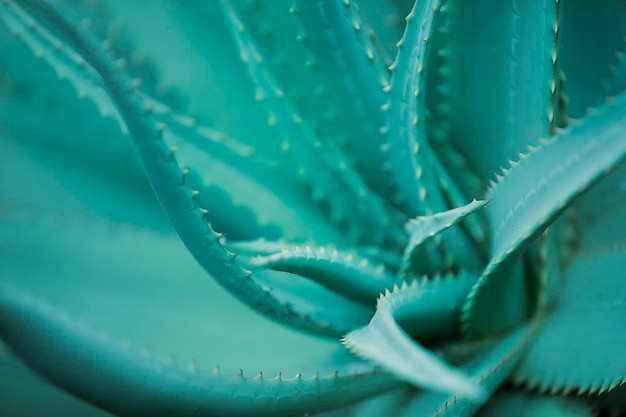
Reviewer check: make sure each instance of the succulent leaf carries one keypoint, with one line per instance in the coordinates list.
(343, 272)
(518, 217)
(488, 365)
(423, 228)
(387, 344)
(564, 357)
(281, 148)
(520, 404)
(28, 325)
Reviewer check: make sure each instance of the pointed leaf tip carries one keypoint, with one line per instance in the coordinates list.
(384, 342)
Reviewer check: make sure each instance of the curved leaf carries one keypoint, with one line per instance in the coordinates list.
(488, 364)
(344, 272)
(520, 404)
(536, 190)
(432, 304)
(575, 349)
(318, 164)
(424, 228)
(125, 382)
(168, 180)
(503, 89)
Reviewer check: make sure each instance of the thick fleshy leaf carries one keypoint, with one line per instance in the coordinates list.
(408, 157)
(168, 179)
(355, 75)
(520, 404)
(587, 56)
(201, 66)
(105, 273)
(511, 68)
(321, 166)
(562, 168)
(599, 211)
(70, 136)
(432, 308)
(127, 382)
(344, 272)
(438, 111)
(25, 394)
(424, 228)
(407, 154)
(488, 364)
(384, 21)
(616, 84)
(574, 350)
(212, 158)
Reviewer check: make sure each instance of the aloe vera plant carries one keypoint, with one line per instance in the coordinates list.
(405, 216)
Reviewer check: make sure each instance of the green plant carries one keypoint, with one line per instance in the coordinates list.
(329, 165)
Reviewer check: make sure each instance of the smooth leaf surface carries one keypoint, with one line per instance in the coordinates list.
(384, 342)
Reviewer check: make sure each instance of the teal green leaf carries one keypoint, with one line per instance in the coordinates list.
(178, 200)
(25, 394)
(128, 381)
(590, 52)
(573, 350)
(356, 76)
(520, 404)
(598, 211)
(206, 152)
(231, 183)
(384, 342)
(407, 154)
(487, 364)
(343, 272)
(518, 218)
(515, 51)
(424, 228)
(321, 166)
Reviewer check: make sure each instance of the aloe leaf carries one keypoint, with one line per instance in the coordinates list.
(384, 21)
(598, 211)
(616, 83)
(186, 61)
(487, 364)
(386, 404)
(64, 61)
(548, 271)
(112, 182)
(283, 41)
(475, 225)
(356, 76)
(374, 255)
(438, 85)
(166, 177)
(586, 58)
(384, 342)
(521, 404)
(573, 351)
(208, 153)
(406, 150)
(344, 272)
(104, 273)
(424, 228)
(126, 382)
(515, 45)
(408, 155)
(24, 394)
(563, 168)
(321, 166)
(232, 182)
